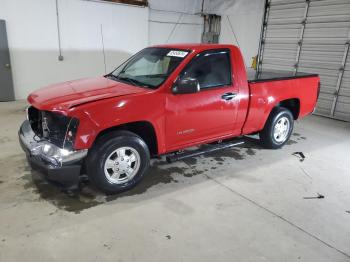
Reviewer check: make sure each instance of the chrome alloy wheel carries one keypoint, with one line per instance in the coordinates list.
(122, 165)
(281, 129)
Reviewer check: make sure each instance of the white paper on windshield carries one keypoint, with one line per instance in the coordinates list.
(177, 53)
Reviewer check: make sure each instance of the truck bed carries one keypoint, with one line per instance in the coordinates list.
(274, 75)
(270, 87)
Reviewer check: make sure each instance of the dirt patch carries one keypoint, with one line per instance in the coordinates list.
(160, 173)
(291, 142)
(250, 152)
(56, 196)
(155, 176)
(252, 142)
(194, 173)
(190, 161)
(230, 153)
(88, 197)
(299, 136)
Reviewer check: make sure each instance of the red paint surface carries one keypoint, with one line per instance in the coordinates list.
(100, 103)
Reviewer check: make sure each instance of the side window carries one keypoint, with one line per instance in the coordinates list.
(211, 69)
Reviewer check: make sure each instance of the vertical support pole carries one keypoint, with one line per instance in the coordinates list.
(301, 36)
(60, 56)
(103, 50)
(340, 75)
(263, 35)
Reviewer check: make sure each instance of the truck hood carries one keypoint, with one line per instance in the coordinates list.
(63, 96)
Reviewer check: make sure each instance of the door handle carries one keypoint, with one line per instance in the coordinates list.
(8, 66)
(228, 96)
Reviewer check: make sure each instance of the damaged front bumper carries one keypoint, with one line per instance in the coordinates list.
(56, 164)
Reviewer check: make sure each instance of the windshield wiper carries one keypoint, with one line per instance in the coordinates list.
(111, 76)
(129, 80)
(124, 79)
(133, 81)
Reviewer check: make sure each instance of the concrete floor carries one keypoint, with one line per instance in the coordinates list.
(244, 204)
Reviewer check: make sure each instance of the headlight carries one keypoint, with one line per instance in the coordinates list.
(56, 155)
(54, 127)
(70, 134)
(47, 151)
(51, 153)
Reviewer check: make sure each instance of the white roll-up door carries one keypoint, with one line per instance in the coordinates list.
(311, 36)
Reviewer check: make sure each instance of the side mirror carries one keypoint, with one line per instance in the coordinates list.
(186, 86)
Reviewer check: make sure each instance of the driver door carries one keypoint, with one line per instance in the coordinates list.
(208, 114)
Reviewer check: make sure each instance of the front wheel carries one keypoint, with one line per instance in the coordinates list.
(278, 128)
(117, 162)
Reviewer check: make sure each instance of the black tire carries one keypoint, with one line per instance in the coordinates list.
(103, 148)
(266, 135)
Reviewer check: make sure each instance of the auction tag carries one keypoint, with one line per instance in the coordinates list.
(177, 53)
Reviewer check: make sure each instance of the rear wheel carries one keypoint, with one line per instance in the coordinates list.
(278, 128)
(118, 161)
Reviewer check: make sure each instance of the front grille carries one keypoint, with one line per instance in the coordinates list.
(48, 125)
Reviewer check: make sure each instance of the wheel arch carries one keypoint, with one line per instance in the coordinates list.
(143, 129)
(292, 104)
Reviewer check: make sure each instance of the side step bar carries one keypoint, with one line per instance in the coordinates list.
(202, 150)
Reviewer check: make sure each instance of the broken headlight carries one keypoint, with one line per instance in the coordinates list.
(70, 134)
(54, 127)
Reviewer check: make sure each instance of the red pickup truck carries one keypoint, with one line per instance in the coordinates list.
(162, 100)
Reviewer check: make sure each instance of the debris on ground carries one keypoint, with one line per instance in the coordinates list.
(300, 155)
(168, 236)
(319, 196)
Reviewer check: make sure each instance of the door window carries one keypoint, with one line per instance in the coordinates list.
(211, 69)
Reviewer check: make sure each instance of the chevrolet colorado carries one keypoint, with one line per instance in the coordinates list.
(162, 100)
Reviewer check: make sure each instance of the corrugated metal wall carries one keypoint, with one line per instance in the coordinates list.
(311, 36)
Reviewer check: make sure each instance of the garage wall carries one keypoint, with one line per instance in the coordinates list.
(175, 21)
(97, 36)
(174, 27)
(33, 39)
(240, 24)
(239, 16)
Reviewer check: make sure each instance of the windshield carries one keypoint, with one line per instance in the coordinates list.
(150, 67)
